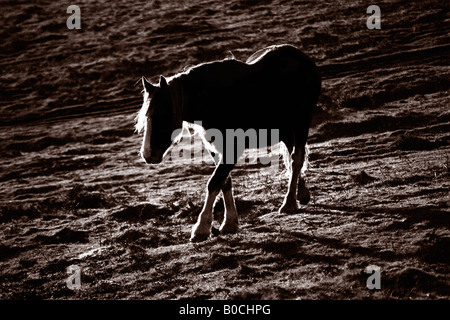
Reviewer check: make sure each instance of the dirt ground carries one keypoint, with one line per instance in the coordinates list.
(74, 192)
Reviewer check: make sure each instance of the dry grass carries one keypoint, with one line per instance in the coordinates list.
(74, 191)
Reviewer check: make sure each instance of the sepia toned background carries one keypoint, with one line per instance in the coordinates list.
(73, 190)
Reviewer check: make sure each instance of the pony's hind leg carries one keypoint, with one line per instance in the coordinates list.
(202, 229)
(297, 187)
(302, 191)
(230, 222)
(303, 194)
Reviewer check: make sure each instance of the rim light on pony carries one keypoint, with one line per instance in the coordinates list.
(277, 88)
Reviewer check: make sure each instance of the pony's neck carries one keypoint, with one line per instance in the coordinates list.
(183, 95)
(180, 99)
(177, 94)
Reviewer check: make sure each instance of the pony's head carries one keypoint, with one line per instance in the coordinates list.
(157, 119)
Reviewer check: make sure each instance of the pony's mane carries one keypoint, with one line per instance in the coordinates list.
(261, 53)
(189, 68)
(141, 118)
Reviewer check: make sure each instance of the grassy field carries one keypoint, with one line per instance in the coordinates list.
(75, 192)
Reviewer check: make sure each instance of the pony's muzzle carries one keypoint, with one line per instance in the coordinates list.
(152, 160)
(154, 157)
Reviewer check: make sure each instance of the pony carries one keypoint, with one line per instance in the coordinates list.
(276, 88)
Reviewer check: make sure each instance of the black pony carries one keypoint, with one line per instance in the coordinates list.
(276, 88)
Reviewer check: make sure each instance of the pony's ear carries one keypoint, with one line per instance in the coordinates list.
(148, 87)
(162, 82)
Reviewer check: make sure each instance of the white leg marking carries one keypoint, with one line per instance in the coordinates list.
(290, 201)
(202, 229)
(230, 222)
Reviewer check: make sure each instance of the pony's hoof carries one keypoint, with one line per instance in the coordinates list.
(227, 228)
(289, 209)
(303, 197)
(201, 231)
(199, 237)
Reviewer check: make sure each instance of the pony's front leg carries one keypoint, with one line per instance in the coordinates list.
(230, 222)
(202, 229)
